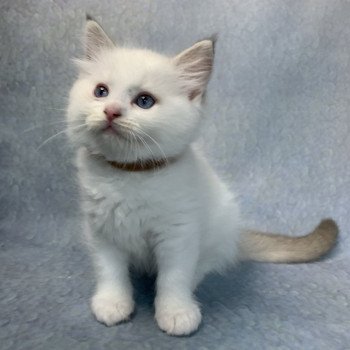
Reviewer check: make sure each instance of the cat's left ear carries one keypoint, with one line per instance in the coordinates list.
(195, 66)
(95, 39)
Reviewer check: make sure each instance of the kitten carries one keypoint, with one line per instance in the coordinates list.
(151, 201)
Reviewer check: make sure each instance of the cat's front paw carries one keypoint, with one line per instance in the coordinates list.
(111, 310)
(178, 318)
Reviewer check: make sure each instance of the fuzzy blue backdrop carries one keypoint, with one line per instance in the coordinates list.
(277, 130)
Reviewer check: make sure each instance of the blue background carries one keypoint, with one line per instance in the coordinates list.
(277, 129)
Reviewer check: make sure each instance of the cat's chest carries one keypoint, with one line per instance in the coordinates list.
(119, 218)
(128, 206)
(116, 207)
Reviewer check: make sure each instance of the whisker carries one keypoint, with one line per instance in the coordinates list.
(59, 133)
(43, 125)
(134, 142)
(131, 138)
(55, 109)
(155, 142)
(134, 147)
(129, 125)
(153, 158)
(128, 148)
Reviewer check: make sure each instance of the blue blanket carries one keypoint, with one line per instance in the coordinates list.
(277, 129)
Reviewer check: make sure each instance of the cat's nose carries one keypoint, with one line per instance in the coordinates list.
(112, 112)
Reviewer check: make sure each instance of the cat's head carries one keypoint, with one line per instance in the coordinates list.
(131, 104)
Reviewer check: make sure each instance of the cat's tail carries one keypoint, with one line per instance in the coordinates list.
(267, 247)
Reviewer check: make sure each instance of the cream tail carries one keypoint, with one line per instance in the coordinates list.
(276, 248)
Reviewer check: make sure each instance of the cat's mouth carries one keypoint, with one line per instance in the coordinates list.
(112, 130)
(109, 129)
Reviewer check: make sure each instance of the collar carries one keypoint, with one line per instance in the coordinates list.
(144, 165)
(138, 165)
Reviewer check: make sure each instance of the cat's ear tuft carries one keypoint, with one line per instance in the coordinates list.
(195, 66)
(95, 39)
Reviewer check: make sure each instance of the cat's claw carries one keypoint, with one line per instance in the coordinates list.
(111, 311)
(175, 320)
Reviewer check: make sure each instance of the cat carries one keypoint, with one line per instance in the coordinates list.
(150, 199)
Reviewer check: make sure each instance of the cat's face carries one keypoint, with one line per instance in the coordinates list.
(131, 104)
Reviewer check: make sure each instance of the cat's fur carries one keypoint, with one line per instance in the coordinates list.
(176, 217)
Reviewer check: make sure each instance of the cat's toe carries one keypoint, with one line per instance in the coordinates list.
(111, 311)
(179, 320)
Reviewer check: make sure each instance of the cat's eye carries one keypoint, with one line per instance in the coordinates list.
(101, 90)
(144, 101)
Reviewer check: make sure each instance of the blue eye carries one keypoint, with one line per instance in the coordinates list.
(144, 101)
(101, 90)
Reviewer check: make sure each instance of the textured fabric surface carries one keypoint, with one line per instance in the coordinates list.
(277, 131)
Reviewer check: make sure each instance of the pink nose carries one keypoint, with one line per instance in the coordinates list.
(112, 112)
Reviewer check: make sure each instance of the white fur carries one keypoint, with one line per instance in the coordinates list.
(179, 221)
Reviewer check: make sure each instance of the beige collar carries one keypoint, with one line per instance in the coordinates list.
(139, 165)
(144, 165)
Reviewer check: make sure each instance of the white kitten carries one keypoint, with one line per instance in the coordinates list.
(151, 201)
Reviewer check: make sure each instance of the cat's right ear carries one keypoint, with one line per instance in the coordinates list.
(195, 66)
(95, 39)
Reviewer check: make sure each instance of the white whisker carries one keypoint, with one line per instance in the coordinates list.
(153, 158)
(43, 125)
(59, 133)
(128, 147)
(54, 109)
(155, 142)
